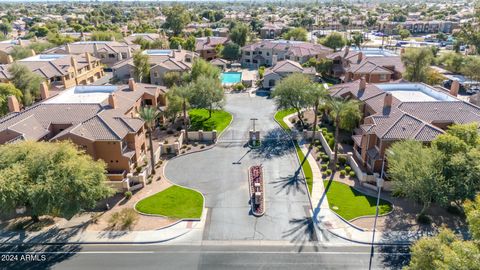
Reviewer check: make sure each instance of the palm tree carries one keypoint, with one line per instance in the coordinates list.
(183, 92)
(317, 94)
(345, 114)
(150, 115)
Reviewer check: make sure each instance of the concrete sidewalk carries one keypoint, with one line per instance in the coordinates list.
(78, 235)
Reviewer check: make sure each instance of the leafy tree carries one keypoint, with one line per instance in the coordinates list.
(39, 31)
(19, 52)
(58, 39)
(292, 92)
(345, 114)
(470, 68)
(371, 21)
(182, 95)
(207, 93)
(150, 115)
(417, 63)
(203, 68)
(54, 179)
(239, 34)
(105, 36)
(6, 90)
(323, 66)
(177, 17)
(190, 43)
(357, 39)
(404, 33)
(415, 173)
(141, 67)
(297, 33)
(444, 251)
(176, 42)
(452, 61)
(231, 51)
(208, 32)
(27, 81)
(472, 211)
(172, 78)
(334, 40)
(5, 28)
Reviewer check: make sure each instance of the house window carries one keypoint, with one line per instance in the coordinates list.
(383, 77)
(247, 53)
(111, 55)
(268, 54)
(148, 102)
(155, 74)
(124, 55)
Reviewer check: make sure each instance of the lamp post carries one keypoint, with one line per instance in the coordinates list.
(379, 187)
(253, 120)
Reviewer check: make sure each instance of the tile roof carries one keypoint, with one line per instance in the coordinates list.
(209, 43)
(288, 66)
(294, 48)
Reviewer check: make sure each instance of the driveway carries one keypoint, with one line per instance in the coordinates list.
(221, 174)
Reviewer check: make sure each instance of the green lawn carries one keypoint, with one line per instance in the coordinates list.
(349, 203)
(175, 202)
(281, 114)
(199, 120)
(307, 170)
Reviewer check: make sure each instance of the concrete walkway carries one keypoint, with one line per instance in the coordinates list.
(78, 235)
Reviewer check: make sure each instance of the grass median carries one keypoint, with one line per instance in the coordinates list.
(175, 202)
(350, 203)
(200, 120)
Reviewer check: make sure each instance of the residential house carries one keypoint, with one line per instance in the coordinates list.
(271, 30)
(206, 46)
(262, 53)
(102, 120)
(281, 70)
(400, 111)
(109, 52)
(221, 63)
(375, 65)
(6, 48)
(161, 62)
(418, 27)
(61, 70)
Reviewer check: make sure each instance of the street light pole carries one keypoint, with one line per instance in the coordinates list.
(379, 187)
(253, 120)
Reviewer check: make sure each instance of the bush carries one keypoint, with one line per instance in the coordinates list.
(343, 173)
(189, 148)
(128, 195)
(123, 220)
(324, 167)
(317, 142)
(325, 158)
(202, 146)
(342, 160)
(424, 219)
(348, 169)
(318, 158)
(179, 128)
(352, 174)
(331, 143)
(165, 142)
(195, 144)
(454, 210)
(329, 172)
(337, 167)
(324, 174)
(138, 169)
(293, 121)
(170, 131)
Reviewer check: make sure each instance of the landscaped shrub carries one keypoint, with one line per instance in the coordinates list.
(184, 146)
(319, 148)
(293, 121)
(202, 146)
(342, 160)
(337, 166)
(331, 143)
(324, 174)
(324, 167)
(343, 173)
(138, 169)
(128, 195)
(348, 169)
(325, 158)
(170, 131)
(317, 142)
(123, 220)
(424, 219)
(318, 158)
(189, 148)
(329, 172)
(352, 174)
(165, 142)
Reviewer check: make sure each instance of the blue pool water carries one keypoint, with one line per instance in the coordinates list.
(231, 77)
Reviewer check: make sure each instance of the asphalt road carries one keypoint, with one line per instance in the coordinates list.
(208, 257)
(221, 174)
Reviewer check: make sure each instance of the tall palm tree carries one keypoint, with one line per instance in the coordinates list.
(184, 93)
(150, 115)
(345, 114)
(317, 94)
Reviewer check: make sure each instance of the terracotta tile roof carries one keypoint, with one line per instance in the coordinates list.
(288, 66)
(293, 48)
(209, 43)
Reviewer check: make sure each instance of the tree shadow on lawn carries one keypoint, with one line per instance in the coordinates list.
(275, 143)
(47, 255)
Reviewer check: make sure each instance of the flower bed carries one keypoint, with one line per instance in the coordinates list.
(257, 190)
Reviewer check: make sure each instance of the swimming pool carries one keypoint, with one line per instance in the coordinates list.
(231, 77)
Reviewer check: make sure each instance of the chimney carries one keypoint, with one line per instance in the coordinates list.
(347, 51)
(119, 56)
(131, 84)
(13, 105)
(44, 92)
(73, 62)
(454, 88)
(20, 42)
(387, 102)
(88, 57)
(95, 49)
(67, 48)
(32, 52)
(360, 57)
(208, 40)
(363, 83)
(111, 100)
(179, 47)
(274, 60)
(9, 59)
